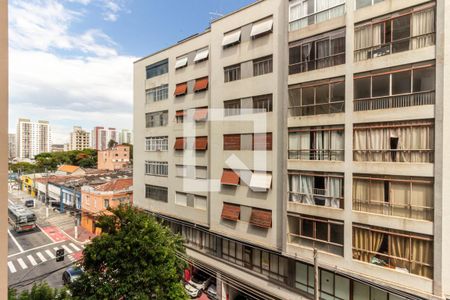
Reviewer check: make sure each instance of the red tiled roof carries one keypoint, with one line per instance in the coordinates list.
(115, 185)
(68, 168)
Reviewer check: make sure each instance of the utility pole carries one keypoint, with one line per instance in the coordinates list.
(316, 276)
(46, 193)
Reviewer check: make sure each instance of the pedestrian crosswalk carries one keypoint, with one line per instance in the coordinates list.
(28, 260)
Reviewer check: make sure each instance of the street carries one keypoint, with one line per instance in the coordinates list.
(31, 255)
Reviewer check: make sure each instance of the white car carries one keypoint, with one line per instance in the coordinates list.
(197, 285)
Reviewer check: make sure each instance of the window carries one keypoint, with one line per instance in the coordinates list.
(316, 143)
(181, 62)
(232, 73)
(231, 142)
(179, 116)
(393, 88)
(257, 141)
(232, 107)
(190, 200)
(407, 197)
(324, 97)
(105, 203)
(307, 12)
(262, 103)
(364, 3)
(316, 188)
(262, 66)
(402, 31)
(157, 69)
(318, 52)
(157, 94)
(414, 142)
(199, 143)
(192, 172)
(156, 143)
(313, 232)
(156, 168)
(156, 119)
(157, 193)
(400, 250)
(261, 28)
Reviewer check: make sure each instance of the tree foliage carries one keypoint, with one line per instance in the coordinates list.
(40, 291)
(112, 144)
(135, 257)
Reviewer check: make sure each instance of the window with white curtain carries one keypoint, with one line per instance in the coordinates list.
(316, 143)
(156, 168)
(365, 3)
(316, 98)
(316, 188)
(157, 94)
(411, 141)
(156, 143)
(409, 85)
(307, 12)
(402, 31)
(406, 197)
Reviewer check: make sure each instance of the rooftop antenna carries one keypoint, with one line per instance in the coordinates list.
(214, 15)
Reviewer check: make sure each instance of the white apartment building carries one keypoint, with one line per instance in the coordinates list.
(79, 139)
(12, 145)
(101, 137)
(350, 159)
(126, 136)
(32, 138)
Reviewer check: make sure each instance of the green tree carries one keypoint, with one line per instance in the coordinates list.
(40, 291)
(111, 144)
(135, 257)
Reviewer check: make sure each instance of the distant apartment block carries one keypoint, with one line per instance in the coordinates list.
(353, 146)
(59, 147)
(12, 152)
(101, 137)
(79, 139)
(32, 138)
(126, 136)
(115, 158)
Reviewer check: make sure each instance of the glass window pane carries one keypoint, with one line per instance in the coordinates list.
(363, 3)
(376, 294)
(322, 231)
(322, 93)
(337, 234)
(342, 287)
(337, 92)
(424, 79)
(307, 228)
(380, 86)
(401, 27)
(401, 83)
(301, 273)
(362, 88)
(308, 96)
(360, 291)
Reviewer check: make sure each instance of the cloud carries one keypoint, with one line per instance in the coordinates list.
(66, 78)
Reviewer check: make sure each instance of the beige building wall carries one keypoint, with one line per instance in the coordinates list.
(114, 159)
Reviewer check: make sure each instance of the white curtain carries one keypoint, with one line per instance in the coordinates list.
(359, 144)
(423, 24)
(295, 183)
(319, 144)
(301, 187)
(363, 39)
(415, 139)
(323, 51)
(422, 201)
(399, 198)
(333, 191)
(378, 142)
(376, 34)
(337, 144)
(299, 141)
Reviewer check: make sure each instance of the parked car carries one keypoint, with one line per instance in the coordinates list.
(71, 274)
(198, 284)
(29, 202)
(211, 291)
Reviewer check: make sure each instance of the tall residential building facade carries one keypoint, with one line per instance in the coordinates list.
(126, 136)
(79, 139)
(12, 145)
(32, 138)
(290, 126)
(101, 137)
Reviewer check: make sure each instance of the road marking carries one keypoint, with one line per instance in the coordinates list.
(67, 249)
(74, 247)
(43, 246)
(22, 263)
(15, 241)
(45, 233)
(41, 257)
(11, 267)
(49, 253)
(31, 259)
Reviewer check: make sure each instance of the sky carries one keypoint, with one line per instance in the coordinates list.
(71, 61)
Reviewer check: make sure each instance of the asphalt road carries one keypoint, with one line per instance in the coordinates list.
(31, 257)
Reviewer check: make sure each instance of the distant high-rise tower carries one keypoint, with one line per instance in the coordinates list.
(126, 136)
(32, 138)
(11, 145)
(101, 137)
(79, 139)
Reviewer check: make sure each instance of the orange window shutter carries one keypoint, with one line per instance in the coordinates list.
(231, 212)
(179, 144)
(181, 89)
(201, 84)
(229, 177)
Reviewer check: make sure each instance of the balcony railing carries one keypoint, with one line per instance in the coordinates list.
(320, 63)
(394, 155)
(318, 197)
(396, 101)
(392, 209)
(315, 243)
(317, 109)
(401, 45)
(316, 154)
(318, 17)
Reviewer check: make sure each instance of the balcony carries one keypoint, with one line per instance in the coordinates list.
(395, 101)
(392, 209)
(320, 63)
(316, 154)
(394, 155)
(316, 17)
(317, 109)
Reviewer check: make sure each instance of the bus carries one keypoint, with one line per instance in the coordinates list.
(21, 218)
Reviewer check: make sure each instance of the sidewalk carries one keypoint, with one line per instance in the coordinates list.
(84, 236)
